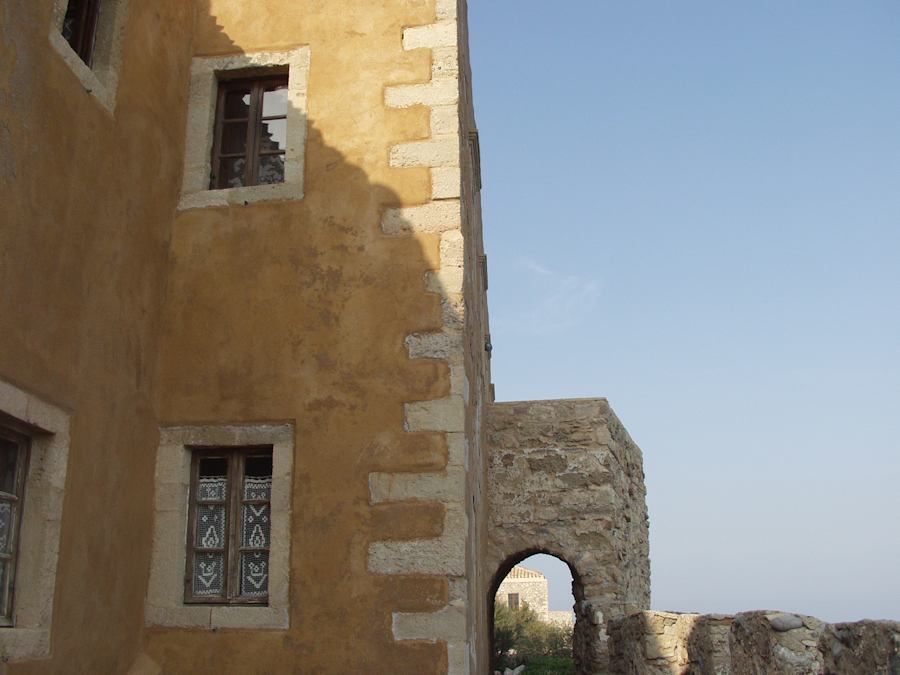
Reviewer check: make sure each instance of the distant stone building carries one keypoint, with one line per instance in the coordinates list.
(527, 587)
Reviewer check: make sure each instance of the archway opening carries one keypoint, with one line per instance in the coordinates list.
(533, 608)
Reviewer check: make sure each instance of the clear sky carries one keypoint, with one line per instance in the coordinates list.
(693, 209)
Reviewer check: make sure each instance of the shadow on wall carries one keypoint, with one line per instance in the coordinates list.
(297, 310)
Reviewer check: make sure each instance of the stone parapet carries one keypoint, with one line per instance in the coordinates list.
(778, 643)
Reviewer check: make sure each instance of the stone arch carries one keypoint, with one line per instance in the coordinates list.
(564, 478)
(582, 641)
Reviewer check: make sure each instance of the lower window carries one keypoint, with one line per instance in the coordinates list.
(229, 526)
(13, 458)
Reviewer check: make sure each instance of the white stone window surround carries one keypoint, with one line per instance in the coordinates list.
(165, 604)
(45, 484)
(101, 80)
(205, 72)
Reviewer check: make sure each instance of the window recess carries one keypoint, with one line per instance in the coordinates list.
(13, 466)
(80, 27)
(229, 526)
(250, 138)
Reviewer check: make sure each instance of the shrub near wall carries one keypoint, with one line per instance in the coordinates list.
(521, 638)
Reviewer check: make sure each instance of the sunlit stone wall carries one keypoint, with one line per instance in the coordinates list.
(566, 479)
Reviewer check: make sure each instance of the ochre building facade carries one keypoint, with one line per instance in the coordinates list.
(246, 421)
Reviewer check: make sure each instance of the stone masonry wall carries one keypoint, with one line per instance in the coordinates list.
(566, 479)
(532, 591)
(776, 643)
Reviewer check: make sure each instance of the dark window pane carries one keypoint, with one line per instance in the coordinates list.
(271, 169)
(6, 525)
(275, 101)
(9, 457)
(71, 21)
(231, 172)
(234, 138)
(209, 575)
(258, 477)
(237, 104)
(259, 466)
(273, 135)
(79, 26)
(213, 479)
(4, 591)
(255, 574)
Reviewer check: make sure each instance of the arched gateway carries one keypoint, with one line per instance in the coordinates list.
(565, 479)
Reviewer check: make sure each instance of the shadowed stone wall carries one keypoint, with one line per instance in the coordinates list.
(778, 643)
(566, 479)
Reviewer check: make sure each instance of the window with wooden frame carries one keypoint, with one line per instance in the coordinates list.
(251, 132)
(13, 465)
(512, 600)
(229, 526)
(80, 27)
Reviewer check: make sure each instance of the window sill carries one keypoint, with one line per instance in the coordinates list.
(85, 75)
(214, 617)
(291, 189)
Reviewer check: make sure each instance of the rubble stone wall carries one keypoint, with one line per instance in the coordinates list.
(776, 643)
(531, 591)
(566, 479)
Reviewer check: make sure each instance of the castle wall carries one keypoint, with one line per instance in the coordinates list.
(344, 312)
(664, 643)
(566, 479)
(88, 185)
(477, 358)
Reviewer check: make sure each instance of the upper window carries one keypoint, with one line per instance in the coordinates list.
(80, 27)
(13, 461)
(230, 524)
(88, 35)
(251, 132)
(246, 129)
(513, 600)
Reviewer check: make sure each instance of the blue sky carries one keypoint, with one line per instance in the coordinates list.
(693, 209)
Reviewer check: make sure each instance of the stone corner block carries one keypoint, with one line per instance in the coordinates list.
(444, 414)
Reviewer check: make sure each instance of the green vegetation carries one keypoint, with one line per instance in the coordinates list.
(520, 637)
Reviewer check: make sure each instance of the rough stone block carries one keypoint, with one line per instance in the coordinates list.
(442, 151)
(441, 34)
(432, 217)
(448, 623)
(445, 63)
(452, 249)
(446, 280)
(444, 120)
(445, 183)
(443, 414)
(444, 91)
(447, 487)
(445, 345)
